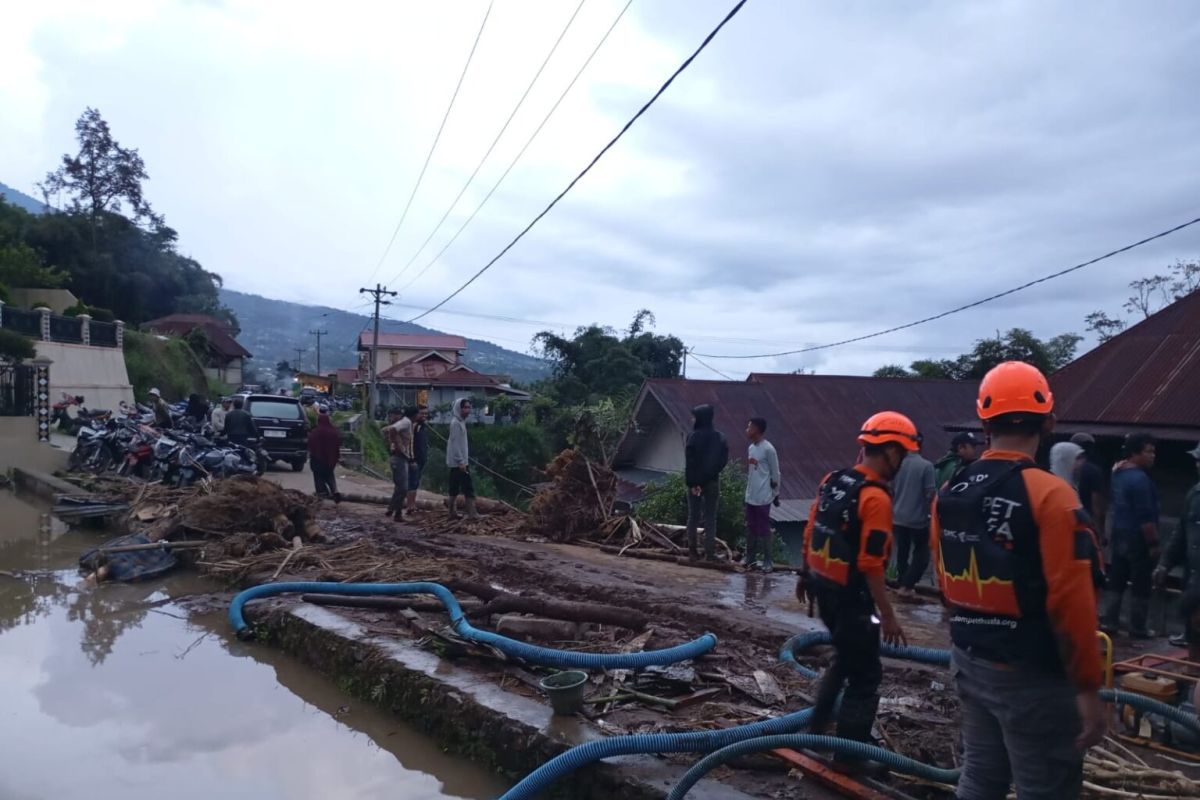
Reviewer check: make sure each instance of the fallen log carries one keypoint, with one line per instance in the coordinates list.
(431, 503)
(565, 610)
(386, 603)
(654, 555)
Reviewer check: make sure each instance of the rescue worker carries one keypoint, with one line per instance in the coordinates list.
(846, 548)
(1184, 548)
(1016, 558)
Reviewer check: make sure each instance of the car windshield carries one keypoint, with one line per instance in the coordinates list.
(275, 409)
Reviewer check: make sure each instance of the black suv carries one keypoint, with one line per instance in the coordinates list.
(282, 427)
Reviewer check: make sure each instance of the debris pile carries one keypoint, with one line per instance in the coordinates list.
(577, 501)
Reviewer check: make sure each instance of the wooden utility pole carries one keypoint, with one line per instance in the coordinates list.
(377, 293)
(299, 366)
(319, 333)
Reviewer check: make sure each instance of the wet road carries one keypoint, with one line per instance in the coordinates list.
(120, 692)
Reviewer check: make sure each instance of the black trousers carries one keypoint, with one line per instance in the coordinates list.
(461, 483)
(914, 541)
(1131, 565)
(847, 613)
(324, 480)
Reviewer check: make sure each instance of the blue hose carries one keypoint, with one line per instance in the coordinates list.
(564, 764)
(802, 741)
(804, 641)
(544, 656)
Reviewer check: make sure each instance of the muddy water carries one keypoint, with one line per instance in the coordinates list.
(122, 693)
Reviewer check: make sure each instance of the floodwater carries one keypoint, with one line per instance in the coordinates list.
(119, 692)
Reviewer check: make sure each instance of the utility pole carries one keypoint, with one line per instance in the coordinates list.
(685, 352)
(299, 367)
(319, 333)
(377, 293)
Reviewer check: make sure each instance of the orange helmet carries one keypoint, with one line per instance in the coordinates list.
(1014, 387)
(890, 426)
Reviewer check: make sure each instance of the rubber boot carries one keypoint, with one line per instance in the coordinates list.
(1110, 619)
(472, 512)
(748, 558)
(693, 552)
(1139, 613)
(855, 719)
(827, 694)
(453, 507)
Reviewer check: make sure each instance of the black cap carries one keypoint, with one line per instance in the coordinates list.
(966, 437)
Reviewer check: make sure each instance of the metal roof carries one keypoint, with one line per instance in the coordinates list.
(1148, 375)
(220, 333)
(813, 420)
(412, 341)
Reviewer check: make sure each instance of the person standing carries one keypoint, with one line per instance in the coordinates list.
(1184, 548)
(324, 452)
(399, 440)
(1134, 538)
(1093, 487)
(416, 467)
(1015, 558)
(704, 456)
(162, 412)
(217, 420)
(1066, 461)
(846, 546)
(239, 425)
(964, 449)
(458, 459)
(913, 490)
(762, 490)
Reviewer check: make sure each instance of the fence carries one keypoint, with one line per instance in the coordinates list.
(17, 392)
(50, 327)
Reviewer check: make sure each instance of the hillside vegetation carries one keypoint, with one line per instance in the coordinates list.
(167, 364)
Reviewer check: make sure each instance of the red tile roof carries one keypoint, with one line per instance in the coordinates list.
(413, 341)
(220, 333)
(464, 377)
(347, 375)
(1149, 375)
(423, 367)
(812, 420)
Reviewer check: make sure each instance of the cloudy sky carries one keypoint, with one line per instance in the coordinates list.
(822, 170)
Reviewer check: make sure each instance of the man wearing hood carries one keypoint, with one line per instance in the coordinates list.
(1184, 548)
(324, 451)
(704, 456)
(458, 459)
(1066, 461)
(1134, 537)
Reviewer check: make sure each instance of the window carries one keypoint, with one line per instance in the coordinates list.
(275, 409)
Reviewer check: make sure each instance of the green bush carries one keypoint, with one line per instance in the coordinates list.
(80, 307)
(102, 314)
(667, 502)
(167, 364)
(519, 452)
(14, 347)
(5, 297)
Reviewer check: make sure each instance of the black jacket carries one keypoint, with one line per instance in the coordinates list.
(706, 452)
(1184, 545)
(239, 426)
(421, 442)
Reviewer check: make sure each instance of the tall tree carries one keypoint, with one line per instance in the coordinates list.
(102, 177)
(1016, 345)
(1148, 296)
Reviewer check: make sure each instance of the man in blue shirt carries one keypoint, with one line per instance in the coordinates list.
(1134, 537)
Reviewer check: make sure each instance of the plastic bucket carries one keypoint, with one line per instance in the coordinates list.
(565, 691)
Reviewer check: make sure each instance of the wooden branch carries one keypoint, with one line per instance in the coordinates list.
(565, 610)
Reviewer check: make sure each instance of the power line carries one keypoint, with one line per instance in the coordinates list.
(319, 333)
(436, 138)
(377, 295)
(709, 367)
(492, 146)
(521, 153)
(971, 305)
(662, 89)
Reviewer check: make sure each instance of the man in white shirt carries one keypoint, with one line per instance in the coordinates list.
(762, 489)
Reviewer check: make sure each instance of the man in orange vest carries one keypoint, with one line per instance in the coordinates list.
(1017, 557)
(846, 547)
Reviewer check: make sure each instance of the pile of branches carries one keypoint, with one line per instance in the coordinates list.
(636, 538)
(577, 502)
(1113, 770)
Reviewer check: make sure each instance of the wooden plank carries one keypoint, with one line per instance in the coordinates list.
(829, 777)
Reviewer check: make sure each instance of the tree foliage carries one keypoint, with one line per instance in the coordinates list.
(666, 502)
(15, 348)
(599, 362)
(1017, 345)
(1147, 296)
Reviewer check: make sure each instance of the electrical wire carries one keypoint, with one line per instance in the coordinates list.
(709, 367)
(437, 137)
(486, 468)
(492, 146)
(662, 89)
(967, 306)
(520, 153)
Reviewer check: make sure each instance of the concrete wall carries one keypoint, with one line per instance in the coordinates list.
(59, 300)
(662, 450)
(230, 374)
(19, 447)
(97, 373)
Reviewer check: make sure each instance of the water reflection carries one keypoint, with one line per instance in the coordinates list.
(118, 692)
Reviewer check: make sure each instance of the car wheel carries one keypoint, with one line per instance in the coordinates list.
(297, 466)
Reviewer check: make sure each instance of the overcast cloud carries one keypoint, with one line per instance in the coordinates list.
(822, 170)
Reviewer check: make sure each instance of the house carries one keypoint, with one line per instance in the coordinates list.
(812, 420)
(225, 359)
(415, 368)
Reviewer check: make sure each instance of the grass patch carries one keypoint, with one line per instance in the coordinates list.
(167, 364)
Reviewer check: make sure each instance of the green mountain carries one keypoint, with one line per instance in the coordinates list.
(21, 200)
(273, 329)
